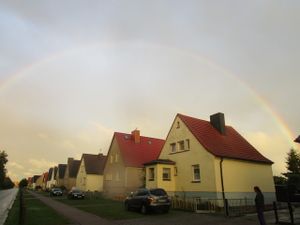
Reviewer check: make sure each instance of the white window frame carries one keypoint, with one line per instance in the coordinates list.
(194, 178)
(168, 178)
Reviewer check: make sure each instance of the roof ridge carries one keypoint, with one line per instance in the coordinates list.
(141, 136)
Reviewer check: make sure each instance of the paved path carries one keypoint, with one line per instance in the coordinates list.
(7, 198)
(77, 216)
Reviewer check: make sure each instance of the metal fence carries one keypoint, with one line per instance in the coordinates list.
(228, 207)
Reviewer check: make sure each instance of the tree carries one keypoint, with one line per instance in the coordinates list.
(23, 183)
(3, 161)
(293, 168)
(8, 184)
(279, 180)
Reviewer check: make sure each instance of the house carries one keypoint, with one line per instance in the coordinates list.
(124, 169)
(39, 182)
(34, 181)
(45, 180)
(210, 160)
(297, 139)
(51, 177)
(61, 170)
(90, 173)
(71, 173)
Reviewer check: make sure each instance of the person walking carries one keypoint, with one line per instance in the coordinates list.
(259, 204)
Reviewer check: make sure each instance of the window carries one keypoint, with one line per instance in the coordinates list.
(178, 125)
(111, 159)
(181, 145)
(117, 157)
(187, 144)
(173, 147)
(151, 174)
(196, 173)
(175, 171)
(117, 176)
(166, 174)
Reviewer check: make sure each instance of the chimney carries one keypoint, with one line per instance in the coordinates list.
(136, 136)
(218, 122)
(70, 160)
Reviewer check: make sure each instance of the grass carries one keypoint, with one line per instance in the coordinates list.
(103, 207)
(37, 213)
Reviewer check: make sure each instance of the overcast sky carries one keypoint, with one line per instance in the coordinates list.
(73, 72)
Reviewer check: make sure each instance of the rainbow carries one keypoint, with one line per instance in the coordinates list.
(278, 120)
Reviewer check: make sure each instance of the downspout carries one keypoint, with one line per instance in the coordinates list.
(222, 180)
(223, 191)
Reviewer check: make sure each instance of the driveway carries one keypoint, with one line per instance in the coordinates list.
(7, 198)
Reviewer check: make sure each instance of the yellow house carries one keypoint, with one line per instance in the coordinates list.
(71, 173)
(209, 160)
(124, 169)
(90, 173)
(61, 169)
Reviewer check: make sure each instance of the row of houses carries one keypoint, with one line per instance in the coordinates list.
(199, 158)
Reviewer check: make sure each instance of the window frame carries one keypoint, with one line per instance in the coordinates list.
(194, 178)
(168, 178)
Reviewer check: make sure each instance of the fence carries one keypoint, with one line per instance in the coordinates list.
(287, 212)
(228, 207)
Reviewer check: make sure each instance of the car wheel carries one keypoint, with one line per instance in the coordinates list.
(144, 209)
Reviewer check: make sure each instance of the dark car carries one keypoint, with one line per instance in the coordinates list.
(56, 192)
(76, 194)
(146, 200)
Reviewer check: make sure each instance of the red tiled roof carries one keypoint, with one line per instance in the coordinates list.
(231, 145)
(136, 154)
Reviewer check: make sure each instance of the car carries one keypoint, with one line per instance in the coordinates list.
(146, 200)
(75, 194)
(56, 192)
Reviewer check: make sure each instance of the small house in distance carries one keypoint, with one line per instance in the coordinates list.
(61, 169)
(209, 160)
(124, 169)
(90, 173)
(71, 173)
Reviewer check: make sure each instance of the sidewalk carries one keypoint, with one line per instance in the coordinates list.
(7, 198)
(77, 216)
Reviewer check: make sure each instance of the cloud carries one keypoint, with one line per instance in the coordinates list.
(41, 164)
(14, 165)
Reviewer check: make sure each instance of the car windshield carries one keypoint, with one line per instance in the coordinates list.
(56, 189)
(76, 191)
(158, 192)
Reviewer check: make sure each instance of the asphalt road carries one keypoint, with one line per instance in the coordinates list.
(7, 198)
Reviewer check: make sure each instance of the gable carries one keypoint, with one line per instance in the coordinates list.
(136, 154)
(229, 145)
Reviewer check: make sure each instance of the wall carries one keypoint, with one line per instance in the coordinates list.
(241, 176)
(193, 155)
(114, 172)
(94, 183)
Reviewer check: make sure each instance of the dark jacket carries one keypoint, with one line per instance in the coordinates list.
(259, 201)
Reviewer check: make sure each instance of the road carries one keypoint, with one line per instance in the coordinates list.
(7, 198)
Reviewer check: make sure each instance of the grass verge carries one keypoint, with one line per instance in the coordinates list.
(37, 213)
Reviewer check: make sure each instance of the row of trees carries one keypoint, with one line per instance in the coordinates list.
(292, 176)
(5, 182)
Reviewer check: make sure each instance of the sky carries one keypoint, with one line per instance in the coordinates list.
(74, 72)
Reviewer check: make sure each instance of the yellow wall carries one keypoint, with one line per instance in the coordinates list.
(88, 182)
(196, 154)
(120, 180)
(169, 185)
(242, 176)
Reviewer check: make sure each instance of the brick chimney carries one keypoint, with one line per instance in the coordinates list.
(70, 160)
(218, 122)
(136, 136)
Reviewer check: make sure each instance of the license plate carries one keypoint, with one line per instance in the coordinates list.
(161, 200)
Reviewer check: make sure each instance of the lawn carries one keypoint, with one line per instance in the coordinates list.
(106, 208)
(37, 213)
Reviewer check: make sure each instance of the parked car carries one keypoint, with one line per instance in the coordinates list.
(75, 194)
(56, 192)
(146, 200)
